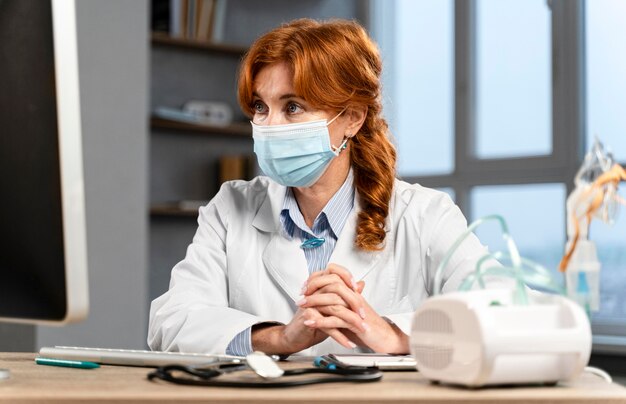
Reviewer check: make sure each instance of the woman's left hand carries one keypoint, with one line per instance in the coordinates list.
(334, 293)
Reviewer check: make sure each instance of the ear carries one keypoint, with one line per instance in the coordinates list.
(355, 116)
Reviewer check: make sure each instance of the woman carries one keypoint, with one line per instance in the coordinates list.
(331, 253)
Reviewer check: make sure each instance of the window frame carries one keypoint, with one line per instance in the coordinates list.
(567, 134)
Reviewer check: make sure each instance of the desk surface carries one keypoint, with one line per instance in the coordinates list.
(31, 383)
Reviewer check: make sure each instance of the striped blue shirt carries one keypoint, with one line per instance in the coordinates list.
(327, 225)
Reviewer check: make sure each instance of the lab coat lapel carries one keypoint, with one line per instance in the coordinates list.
(346, 254)
(282, 257)
(286, 264)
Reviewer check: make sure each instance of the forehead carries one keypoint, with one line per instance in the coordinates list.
(274, 81)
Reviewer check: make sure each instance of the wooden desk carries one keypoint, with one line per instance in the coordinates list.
(31, 383)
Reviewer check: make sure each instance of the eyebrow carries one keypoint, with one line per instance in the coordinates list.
(282, 97)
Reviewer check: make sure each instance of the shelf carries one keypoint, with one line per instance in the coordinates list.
(236, 128)
(163, 39)
(171, 210)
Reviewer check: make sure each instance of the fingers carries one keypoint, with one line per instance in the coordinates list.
(312, 285)
(360, 287)
(350, 298)
(340, 338)
(334, 333)
(341, 272)
(336, 297)
(313, 320)
(333, 317)
(341, 317)
(322, 299)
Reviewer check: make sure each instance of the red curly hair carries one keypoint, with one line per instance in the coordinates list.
(335, 64)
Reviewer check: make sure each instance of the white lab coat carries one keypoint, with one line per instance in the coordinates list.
(241, 270)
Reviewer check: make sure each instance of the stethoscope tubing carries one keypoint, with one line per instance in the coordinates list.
(207, 377)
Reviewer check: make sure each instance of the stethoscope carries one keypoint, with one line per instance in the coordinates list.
(270, 373)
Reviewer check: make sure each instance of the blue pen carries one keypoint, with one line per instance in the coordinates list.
(66, 363)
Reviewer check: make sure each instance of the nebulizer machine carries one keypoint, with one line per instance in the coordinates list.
(480, 336)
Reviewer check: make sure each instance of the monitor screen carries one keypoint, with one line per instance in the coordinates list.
(42, 227)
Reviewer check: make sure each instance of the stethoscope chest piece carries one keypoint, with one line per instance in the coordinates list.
(263, 365)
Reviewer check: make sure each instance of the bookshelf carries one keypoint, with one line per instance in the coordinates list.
(184, 155)
(164, 39)
(172, 210)
(234, 129)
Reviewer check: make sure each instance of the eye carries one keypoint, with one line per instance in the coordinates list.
(293, 108)
(258, 107)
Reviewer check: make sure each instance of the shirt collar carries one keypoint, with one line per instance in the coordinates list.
(335, 212)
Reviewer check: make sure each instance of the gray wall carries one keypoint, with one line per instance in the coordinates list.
(113, 58)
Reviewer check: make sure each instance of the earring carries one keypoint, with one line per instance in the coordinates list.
(347, 137)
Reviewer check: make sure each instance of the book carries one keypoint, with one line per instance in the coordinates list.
(184, 14)
(176, 18)
(219, 21)
(205, 20)
(236, 167)
(191, 19)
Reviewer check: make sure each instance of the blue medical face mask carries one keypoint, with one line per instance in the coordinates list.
(297, 154)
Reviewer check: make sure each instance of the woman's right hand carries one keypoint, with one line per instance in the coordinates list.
(279, 339)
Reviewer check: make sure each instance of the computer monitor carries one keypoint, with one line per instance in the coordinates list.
(43, 248)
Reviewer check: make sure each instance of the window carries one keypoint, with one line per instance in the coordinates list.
(421, 94)
(530, 210)
(532, 81)
(610, 241)
(606, 63)
(513, 66)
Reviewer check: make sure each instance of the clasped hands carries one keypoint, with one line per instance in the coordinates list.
(332, 306)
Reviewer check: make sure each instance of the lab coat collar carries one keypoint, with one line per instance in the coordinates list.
(284, 259)
(267, 218)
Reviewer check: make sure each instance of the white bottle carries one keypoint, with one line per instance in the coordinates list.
(585, 257)
(584, 260)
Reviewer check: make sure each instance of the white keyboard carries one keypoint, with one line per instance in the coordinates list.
(132, 357)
